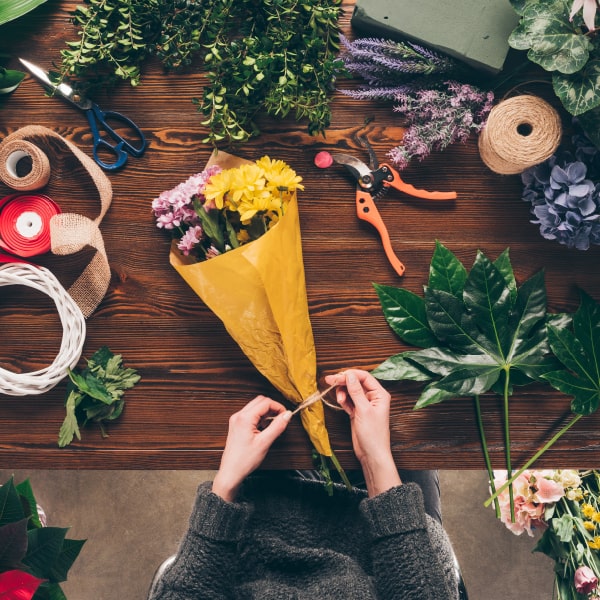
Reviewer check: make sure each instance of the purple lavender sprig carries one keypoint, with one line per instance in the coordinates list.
(438, 118)
(380, 61)
(564, 195)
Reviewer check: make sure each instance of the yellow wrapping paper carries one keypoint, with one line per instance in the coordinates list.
(259, 292)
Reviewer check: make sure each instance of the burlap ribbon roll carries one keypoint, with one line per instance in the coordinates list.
(520, 132)
(11, 152)
(71, 232)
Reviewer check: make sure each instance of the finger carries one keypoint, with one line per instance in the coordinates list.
(369, 383)
(276, 427)
(355, 389)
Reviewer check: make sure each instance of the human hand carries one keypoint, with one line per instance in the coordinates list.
(248, 443)
(367, 404)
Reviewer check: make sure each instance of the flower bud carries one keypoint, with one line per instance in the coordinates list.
(585, 580)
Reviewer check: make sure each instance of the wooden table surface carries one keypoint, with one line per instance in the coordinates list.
(193, 375)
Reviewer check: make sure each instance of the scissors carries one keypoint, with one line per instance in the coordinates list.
(98, 119)
(372, 182)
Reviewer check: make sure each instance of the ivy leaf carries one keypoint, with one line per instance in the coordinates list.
(579, 352)
(486, 329)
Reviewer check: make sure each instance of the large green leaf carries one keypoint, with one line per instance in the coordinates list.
(13, 9)
(405, 314)
(11, 508)
(579, 352)
(579, 92)
(492, 330)
(43, 551)
(553, 40)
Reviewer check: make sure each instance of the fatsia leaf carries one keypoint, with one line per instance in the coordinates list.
(399, 367)
(446, 272)
(492, 334)
(406, 315)
(579, 352)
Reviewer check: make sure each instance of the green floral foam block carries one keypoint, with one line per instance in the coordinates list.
(474, 31)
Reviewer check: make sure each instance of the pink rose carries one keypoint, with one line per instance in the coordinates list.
(585, 580)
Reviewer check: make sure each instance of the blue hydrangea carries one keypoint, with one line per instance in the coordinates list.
(564, 195)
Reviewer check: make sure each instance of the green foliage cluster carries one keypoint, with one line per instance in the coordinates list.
(273, 56)
(564, 47)
(96, 394)
(25, 545)
(480, 332)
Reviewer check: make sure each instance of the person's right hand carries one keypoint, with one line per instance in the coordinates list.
(252, 431)
(367, 404)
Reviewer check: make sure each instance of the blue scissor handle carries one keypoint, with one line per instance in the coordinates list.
(122, 147)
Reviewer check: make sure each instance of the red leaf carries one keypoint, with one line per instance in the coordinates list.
(18, 585)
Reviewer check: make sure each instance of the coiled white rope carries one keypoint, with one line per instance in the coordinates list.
(73, 322)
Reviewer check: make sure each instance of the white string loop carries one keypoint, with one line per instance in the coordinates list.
(74, 330)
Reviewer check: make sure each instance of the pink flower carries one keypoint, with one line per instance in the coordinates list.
(189, 239)
(585, 580)
(548, 490)
(589, 12)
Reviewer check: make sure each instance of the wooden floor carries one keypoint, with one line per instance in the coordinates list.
(193, 375)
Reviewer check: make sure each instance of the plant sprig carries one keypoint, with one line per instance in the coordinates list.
(277, 57)
(95, 394)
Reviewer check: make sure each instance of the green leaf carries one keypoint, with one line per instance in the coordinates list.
(13, 544)
(11, 508)
(579, 92)
(579, 352)
(43, 550)
(69, 552)
(29, 502)
(13, 9)
(406, 315)
(492, 333)
(446, 272)
(590, 123)
(564, 527)
(10, 80)
(70, 426)
(399, 367)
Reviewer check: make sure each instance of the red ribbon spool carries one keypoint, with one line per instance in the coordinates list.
(25, 225)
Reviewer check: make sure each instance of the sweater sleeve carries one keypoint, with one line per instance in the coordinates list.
(411, 554)
(207, 555)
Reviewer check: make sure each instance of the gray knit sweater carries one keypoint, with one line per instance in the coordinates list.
(288, 539)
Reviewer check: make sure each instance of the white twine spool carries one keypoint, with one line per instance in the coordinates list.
(72, 320)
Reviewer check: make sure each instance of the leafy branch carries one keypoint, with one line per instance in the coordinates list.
(95, 394)
(277, 57)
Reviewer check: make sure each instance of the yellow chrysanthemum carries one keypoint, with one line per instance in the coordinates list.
(596, 517)
(247, 182)
(595, 543)
(279, 175)
(217, 187)
(587, 510)
(589, 525)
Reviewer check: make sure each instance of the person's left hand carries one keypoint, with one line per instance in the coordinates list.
(248, 443)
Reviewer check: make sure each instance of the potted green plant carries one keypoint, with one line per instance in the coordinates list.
(562, 38)
(34, 558)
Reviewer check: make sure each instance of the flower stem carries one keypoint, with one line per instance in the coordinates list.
(507, 447)
(486, 454)
(533, 459)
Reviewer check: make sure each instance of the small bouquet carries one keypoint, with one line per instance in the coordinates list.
(566, 505)
(237, 245)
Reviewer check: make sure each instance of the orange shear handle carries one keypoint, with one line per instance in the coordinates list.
(394, 180)
(367, 211)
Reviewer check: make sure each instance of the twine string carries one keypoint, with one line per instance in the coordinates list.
(520, 132)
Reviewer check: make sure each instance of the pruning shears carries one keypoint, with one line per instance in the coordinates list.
(374, 181)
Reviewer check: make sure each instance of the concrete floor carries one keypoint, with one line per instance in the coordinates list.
(134, 519)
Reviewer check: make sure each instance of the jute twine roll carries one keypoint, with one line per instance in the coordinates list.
(520, 132)
(14, 151)
(71, 232)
